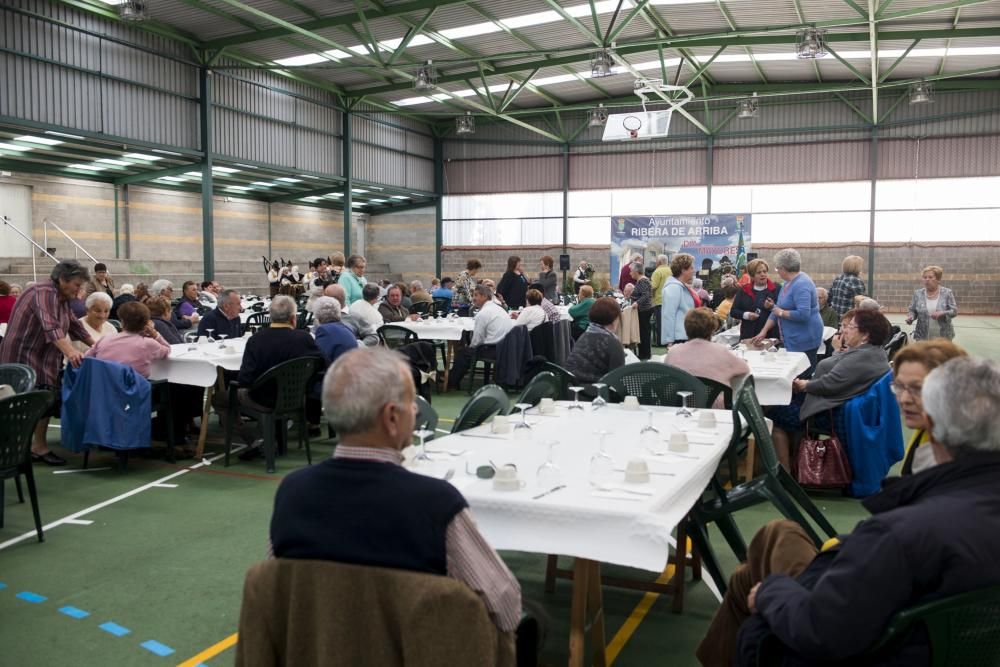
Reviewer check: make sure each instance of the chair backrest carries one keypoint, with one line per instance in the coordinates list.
(420, 307)
(258, 321)
(393, 336)
(303, 319)
(21, 378)
(290, 378)
(654, 383)
(190, 336)
(441, 305)
(716, 389)
(311, 612)
(749, 408)
(486, 402)
(257, 307)
(566, 378)
(543, 385)
(116, 324)
(895, 344)
(18, 416)
(543, 340)
(427, 416)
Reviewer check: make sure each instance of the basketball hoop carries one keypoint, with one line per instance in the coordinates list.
(633, 124)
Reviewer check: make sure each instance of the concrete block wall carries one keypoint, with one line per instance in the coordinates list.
(403, 241)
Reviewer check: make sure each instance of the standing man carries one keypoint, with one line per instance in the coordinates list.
(583, 275)
(38, 335)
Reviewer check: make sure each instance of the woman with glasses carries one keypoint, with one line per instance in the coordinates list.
(837, 380)
(909, 368)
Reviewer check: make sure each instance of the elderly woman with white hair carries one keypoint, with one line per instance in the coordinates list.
(333, 337)
(795, 315)
(95, 321)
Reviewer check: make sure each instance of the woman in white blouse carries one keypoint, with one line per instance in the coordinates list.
(534, 314)
(95, 321)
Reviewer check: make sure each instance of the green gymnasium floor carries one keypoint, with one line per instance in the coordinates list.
(146, 567)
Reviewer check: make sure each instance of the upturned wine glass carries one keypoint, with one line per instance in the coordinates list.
(549, 474)
(599, 401)
(684, 411)
(576, 405)
(649, 437)
(522, 429)
(602, 466)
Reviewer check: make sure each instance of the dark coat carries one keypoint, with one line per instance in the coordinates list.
(748, 300)
(514, 289)
(931, 535)
(513, 353)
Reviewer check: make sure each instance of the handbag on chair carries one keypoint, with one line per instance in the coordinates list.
(822, 463)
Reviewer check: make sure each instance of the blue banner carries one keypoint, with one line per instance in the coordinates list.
(714, 240)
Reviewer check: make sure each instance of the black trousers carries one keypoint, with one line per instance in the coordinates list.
(463, 361)
(645, 331)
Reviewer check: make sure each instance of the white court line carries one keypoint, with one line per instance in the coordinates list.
(166, 486)
(128, 494)
(67, 472)
(79, 522)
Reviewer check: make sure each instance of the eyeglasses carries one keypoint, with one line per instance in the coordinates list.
(913, 390)
(852, 325)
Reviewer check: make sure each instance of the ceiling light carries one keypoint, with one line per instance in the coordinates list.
(358, 191)
(38, 140)
(225, 170)
(63, 134)
(305, 59)
(286, 179)
(12, 147)
(598, 116)
(310, 198)
(88, 167)
(810, 43)
(163, 152)
(427, 77)
(921, 92)
(245, 166)
(601, 64)
(171, 179)
(335, 194)
(193, 174)
(398, 197)
(142, 156)
(133, 11)
(238, 187)
(315, 178)
(748, 107)
(114, 163)
(263, 184)
(465, 124)
(377, 201)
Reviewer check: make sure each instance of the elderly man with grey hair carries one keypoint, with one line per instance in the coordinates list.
(491, 324)
(931, 535)
(826, 312)
(365, 311)
(362, 506)
(274, 345)
(363, 332)
(333, 337)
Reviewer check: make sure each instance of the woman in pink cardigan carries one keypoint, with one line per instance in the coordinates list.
(138, 345)
(700, 356)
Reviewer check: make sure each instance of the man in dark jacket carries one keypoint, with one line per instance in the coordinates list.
(225, 318)
(932, 535)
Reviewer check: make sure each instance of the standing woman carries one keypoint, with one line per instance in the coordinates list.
(933, 307)
(548, 278)
(796, 313)
(461, 301)
(513, 285)
(754, 301)
(353, 279)
(642, 297)
(39, 335)
(678, 298)
(847, 285)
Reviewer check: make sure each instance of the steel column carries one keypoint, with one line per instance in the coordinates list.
(117, 253)
(873, 176)
(709, 171)
(345, 140)
(565, 201)
(270, 251)
(207, 221)
(128, 222)
(439, 203)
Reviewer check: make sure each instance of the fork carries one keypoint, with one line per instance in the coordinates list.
(637, 492)
(446, 451)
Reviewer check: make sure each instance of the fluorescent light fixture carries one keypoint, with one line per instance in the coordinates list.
(398, 197)
(315, 178)
(39, 140)
(172, 179)
(12, 147)
(86, 167)
(193, 174)
(410, 101)
(355, 204)
(286, 179)
(334, 195)
(242, 188)
(163, 152)
(142, 156)
(358, 191)
(245, 166)
(377, 201)
(113, 2)
(114, 163)
(263, 184)
(225, 170)
(310, 198)
(307, 59)
(63, 134)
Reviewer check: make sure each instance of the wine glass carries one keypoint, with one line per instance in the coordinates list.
(649, 437)
(210, 339)
(599, 401)
(423, 434)
(522, 429)
(683, 411)
(576, 405)
(549, 474)
(602, 466)
(222, 341)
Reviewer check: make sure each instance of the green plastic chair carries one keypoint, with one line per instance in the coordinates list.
(258, 321)
(543, 385)
(566, 378)
(21, 378)
(394, 336)
(963, 630)
(488, 401)
(292, 378)
(18, 416)
(654, 383)
(775, 485)
(427, 417)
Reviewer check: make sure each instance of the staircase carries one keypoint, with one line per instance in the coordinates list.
(247, 276)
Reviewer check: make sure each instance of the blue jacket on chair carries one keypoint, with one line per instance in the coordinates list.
(874, 437)
(105, 403)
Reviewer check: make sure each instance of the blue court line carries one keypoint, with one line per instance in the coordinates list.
(114, 628)
(34, 598)
(73, 612)
(156, 647)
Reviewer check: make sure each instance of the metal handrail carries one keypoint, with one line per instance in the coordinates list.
(45, 235)
(34, 270)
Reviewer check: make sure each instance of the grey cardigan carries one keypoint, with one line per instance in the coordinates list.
(918, 311)
(842, 377)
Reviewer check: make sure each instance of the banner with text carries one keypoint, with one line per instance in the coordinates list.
(714, 240)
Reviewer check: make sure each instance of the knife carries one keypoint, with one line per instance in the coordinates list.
(481, 435)
(552, 490)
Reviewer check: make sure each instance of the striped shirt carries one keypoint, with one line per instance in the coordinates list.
(40, 318)
(470, 559)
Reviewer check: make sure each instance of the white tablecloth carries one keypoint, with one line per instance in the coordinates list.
(439, 328)
(773, 373)
(198, 367)
(617, 527)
